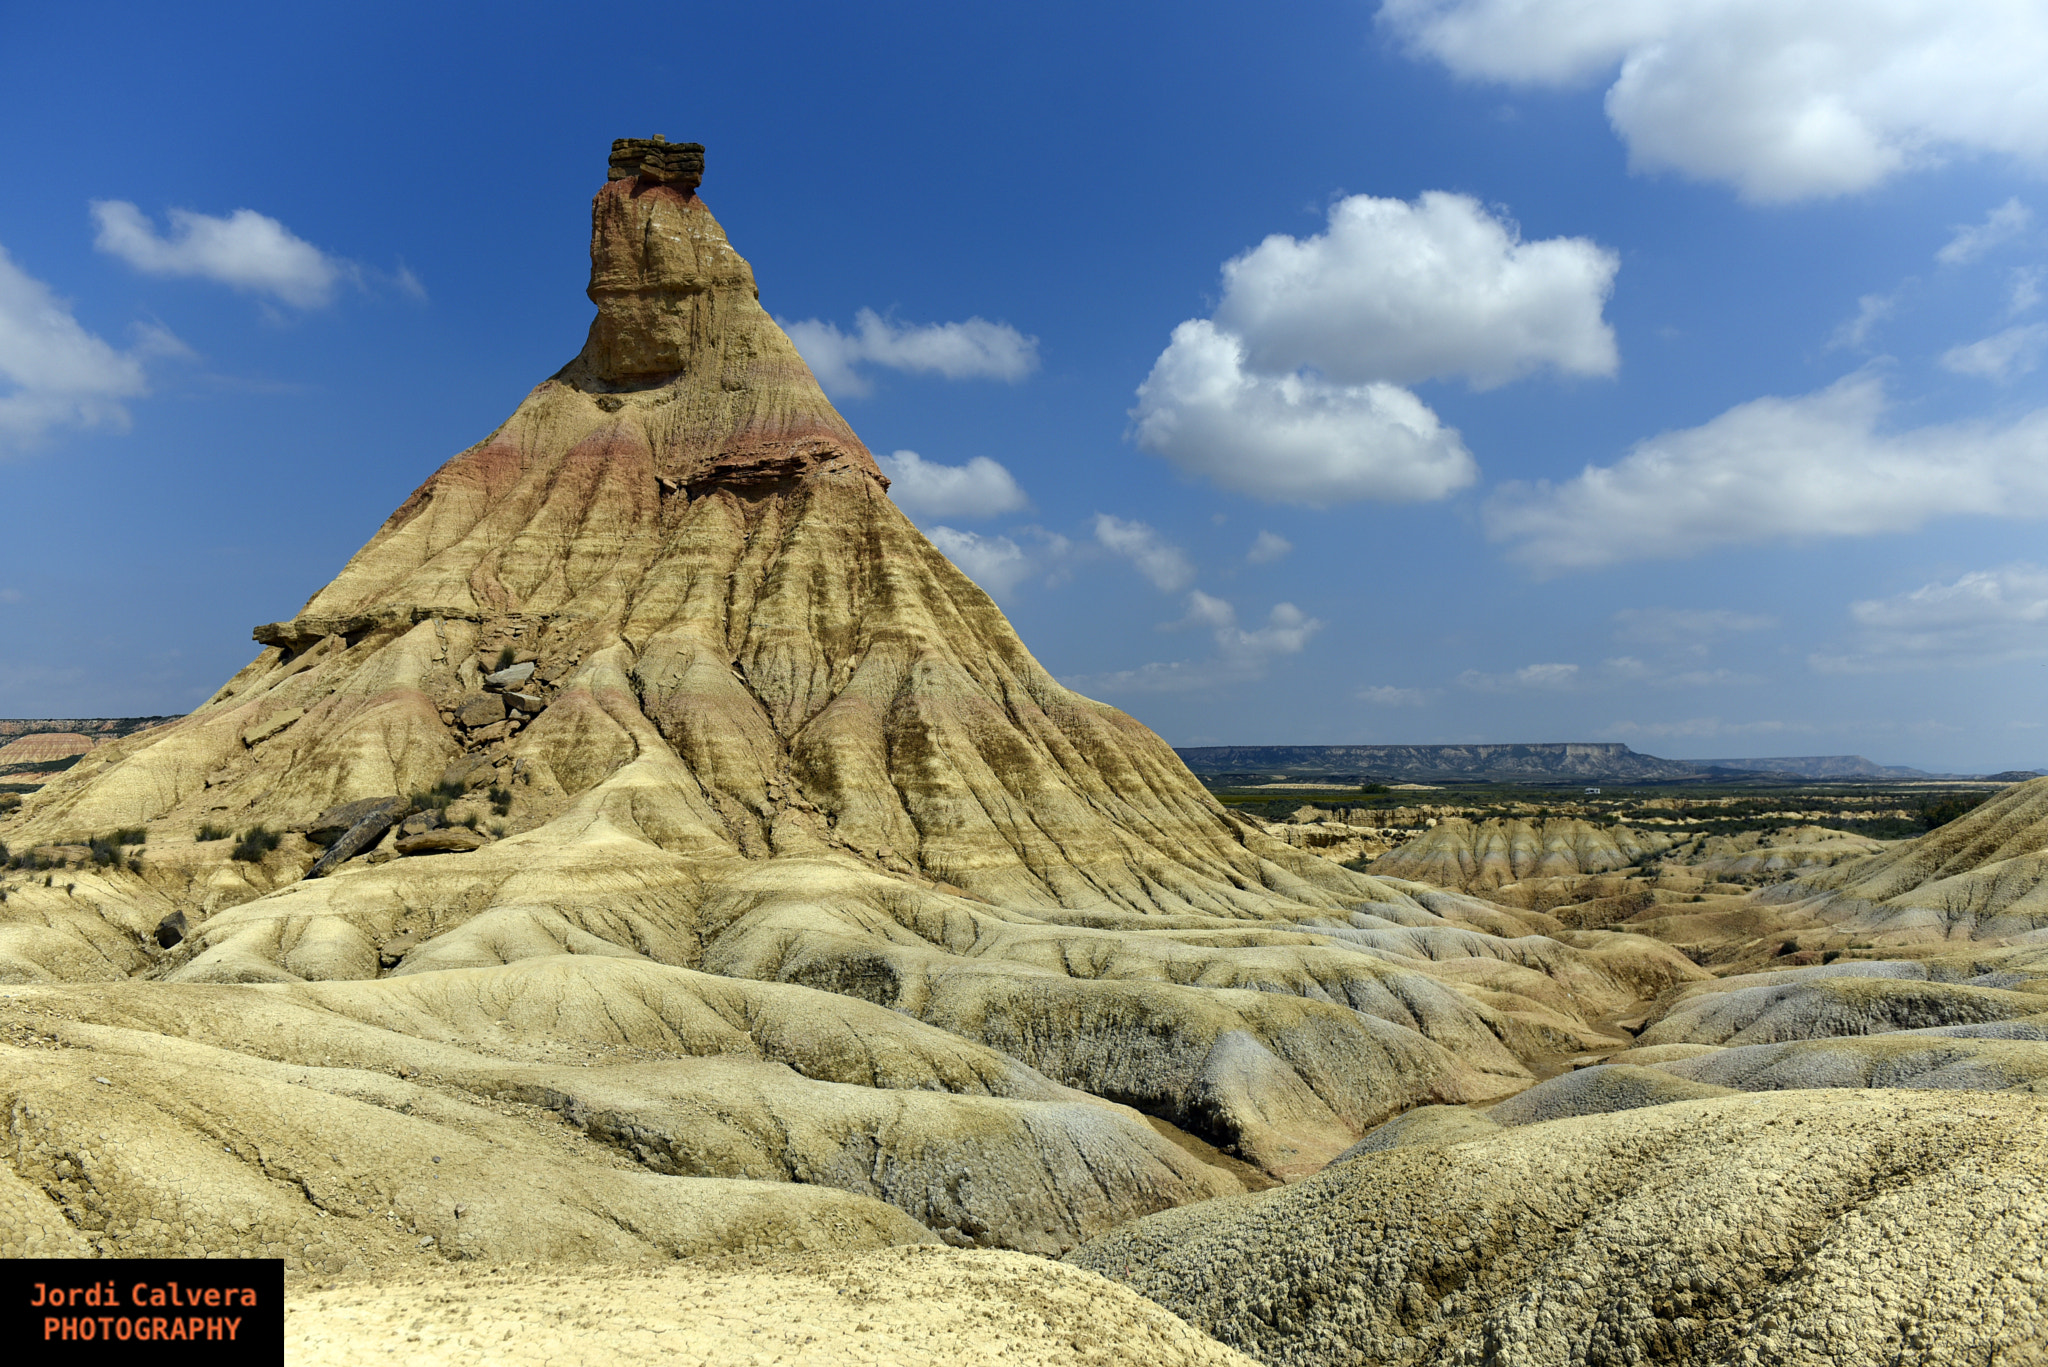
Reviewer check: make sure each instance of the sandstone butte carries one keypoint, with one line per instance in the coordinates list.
(809, 931)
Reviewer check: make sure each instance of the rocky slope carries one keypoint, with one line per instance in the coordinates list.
(1982, 875)
(1799, 1227)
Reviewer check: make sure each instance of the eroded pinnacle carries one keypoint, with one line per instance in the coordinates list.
(659, 161)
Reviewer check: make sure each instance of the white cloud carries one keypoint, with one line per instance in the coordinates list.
(1549, 678)
(1871, 310)
(1292, 438)
(1971, 241)
(1776, 469)
(1240, 656)
(1268, 547)
(1387, 695)
(55, 373)
(2023, 290)
(1407, 292)
(1292, 392)
(996, 563)
(1984, 617)
(247, 250)
(923, 488)
(975, 349)
(1784, 101)
(2000, 356)
(1157, 559)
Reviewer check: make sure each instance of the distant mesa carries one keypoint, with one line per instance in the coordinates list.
(1587, 761)
(1590, 761)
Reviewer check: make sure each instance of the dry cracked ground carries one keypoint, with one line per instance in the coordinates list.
(686, 924)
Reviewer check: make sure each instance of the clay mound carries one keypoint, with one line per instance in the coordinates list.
(134, 1145)
(914, 1307)
(42, 747)
(1600, 1090)
(1981, 875)
(678, 1073)
(1480, 856)
(1423, 1125)
(1801, 1227)
(1897, 1060)
(1818, 1009)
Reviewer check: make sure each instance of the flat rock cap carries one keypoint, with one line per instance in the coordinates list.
(680, 164)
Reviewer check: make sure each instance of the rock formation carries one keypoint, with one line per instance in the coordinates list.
(649, 845)
(657, 681)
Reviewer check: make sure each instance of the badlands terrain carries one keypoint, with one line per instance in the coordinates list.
(650, 874)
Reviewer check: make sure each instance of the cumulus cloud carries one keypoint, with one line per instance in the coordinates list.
(2000, 356)
(1776, 469)
(1292, 438)
(1409, 292)
(1268, 547)
(246, 250)
(1783, 101)
(1971, 241)
(1157, 559)
(53, 372)
(975, 349)
(1293, 390)
(924, 488)
(996, 563)
(1387, 695)
(1983, 617)
(1241, 654)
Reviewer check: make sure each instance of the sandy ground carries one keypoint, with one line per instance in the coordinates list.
(902, 1307)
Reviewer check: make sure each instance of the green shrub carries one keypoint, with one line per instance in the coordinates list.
(209, 831)
(131, 835)
(505, 659)
(1943, 810)
(256, 842)
(501, 800)
(436, 798)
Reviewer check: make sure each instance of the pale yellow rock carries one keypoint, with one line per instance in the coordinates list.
(1804, 1228)
(902, 1308)
(1983, 875)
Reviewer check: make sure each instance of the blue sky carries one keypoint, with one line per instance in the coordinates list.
(1665, 371)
